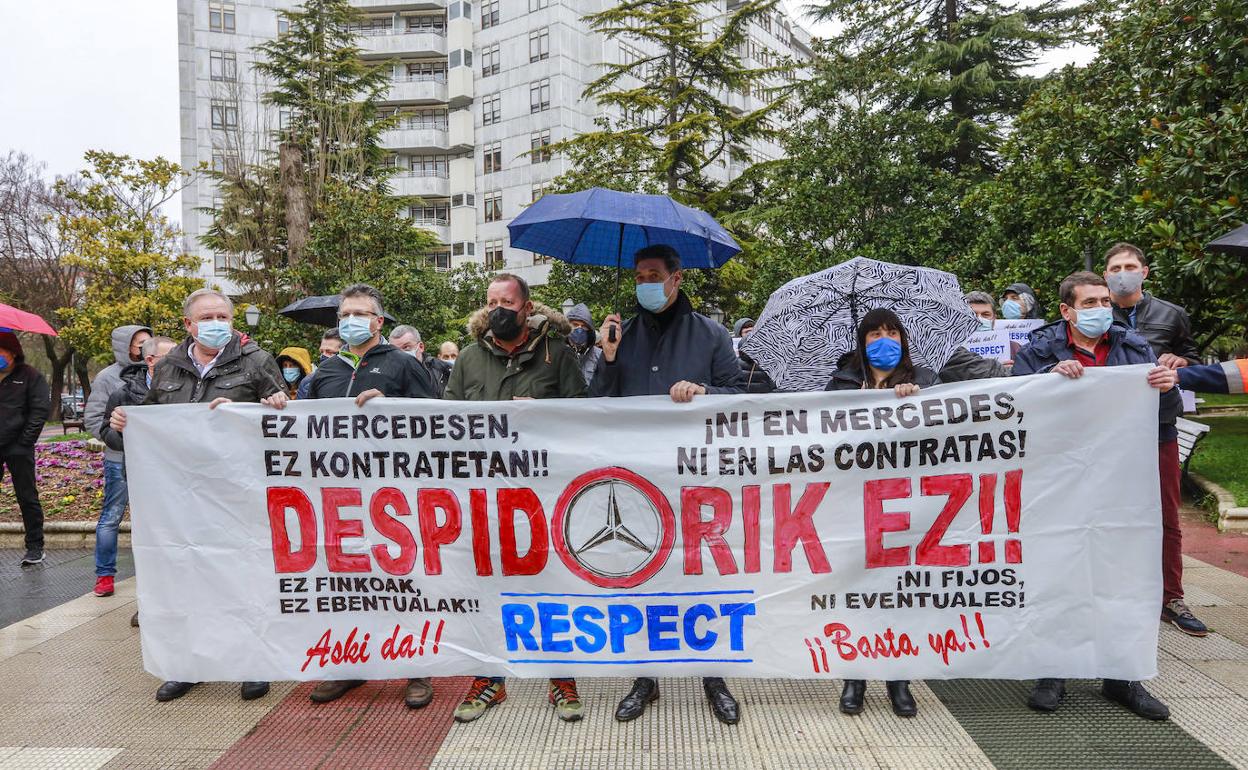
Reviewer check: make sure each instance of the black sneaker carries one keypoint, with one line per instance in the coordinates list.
(1133, 697)
(1176, 612)
(33, 556)
(1047, 694)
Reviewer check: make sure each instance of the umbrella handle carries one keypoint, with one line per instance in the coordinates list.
(619, 259)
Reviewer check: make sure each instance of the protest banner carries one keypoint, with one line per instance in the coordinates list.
(994, 528)
(993, 344)
(1020, 329)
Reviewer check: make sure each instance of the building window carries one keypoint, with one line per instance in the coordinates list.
(221, 17)
(460, 56)
(428, 165)
(431, 214)
(539, 44)
(628, 54)
(539, 95)
(459, 10)
(489, 14)
(283, 25)
(463, 199)
(283, 119)
(423, 120)
(223, 162)
(224, 114)
(222, 65)
(493, 207)
(494, 255)
(540, 259)
(492, 158)
(224, 262)
(539, 147)
(537, 5)
(539, 190)
(464, 248)
(490, 111)
(440, 261)
(489, 60)
(427, 71)
(433, 25)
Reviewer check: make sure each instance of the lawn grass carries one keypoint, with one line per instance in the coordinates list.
(79, 436)
(1222, 456)
(1219, 399)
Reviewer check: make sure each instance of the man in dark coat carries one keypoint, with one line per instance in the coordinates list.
(1164, 324)
(1086, 336)
(24, 407)
(408, 339)
(669, 349)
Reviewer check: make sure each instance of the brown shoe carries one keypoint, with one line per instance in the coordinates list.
(134, 620)
(324, 692)
(419, 693)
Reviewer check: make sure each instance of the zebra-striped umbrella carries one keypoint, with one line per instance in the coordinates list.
(810, 322)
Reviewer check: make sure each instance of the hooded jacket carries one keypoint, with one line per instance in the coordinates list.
(133, 391)
(545, 366)
(107, 382)
(1035, 311)
(24, 403)
(587, 357)
(1049, 346)
(298, 356)
(384, 367)
(243, 372)
(965, 365)
(1164, 324)
(651, 360)
(850, 377)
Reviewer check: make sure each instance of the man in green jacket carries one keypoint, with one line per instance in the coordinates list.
(520, 352)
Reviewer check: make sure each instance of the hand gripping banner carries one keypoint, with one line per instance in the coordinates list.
(996, 528)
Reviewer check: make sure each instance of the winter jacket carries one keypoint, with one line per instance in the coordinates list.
(1226, 377)
(243, 372)
(1049, 346)
(107, 382)
(1164, 324)
(441, 371)
(24, 404)
(965, 365)
(849, 377)
(587, 357)
(133, 391)
(650, 360)
(384, 367)
(300, 358)
(753, 378)
(543, 367)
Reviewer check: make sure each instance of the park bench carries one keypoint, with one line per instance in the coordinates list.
(71, 416)
(1190, 434)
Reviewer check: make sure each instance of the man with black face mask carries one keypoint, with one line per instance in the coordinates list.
(582, 339)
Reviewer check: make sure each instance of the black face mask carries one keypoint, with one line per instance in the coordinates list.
(505, 324)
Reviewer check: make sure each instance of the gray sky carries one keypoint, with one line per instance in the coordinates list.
(103, 74)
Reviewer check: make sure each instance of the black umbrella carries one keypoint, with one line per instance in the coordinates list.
(1234, 243)
(318, 311)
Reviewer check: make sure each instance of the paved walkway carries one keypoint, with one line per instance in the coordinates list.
(73, 694)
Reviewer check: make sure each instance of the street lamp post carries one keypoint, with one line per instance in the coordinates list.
(568, 304)
(714, 313)
(252, 314)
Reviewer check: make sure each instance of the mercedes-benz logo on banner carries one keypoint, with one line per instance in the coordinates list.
(613, 528)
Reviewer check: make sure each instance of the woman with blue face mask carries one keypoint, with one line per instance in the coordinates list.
(881, 360)
(295, 364)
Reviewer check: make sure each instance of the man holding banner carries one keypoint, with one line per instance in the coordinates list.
(1086, 337)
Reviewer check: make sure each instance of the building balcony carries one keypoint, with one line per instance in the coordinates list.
(416, 136)
(380, 6)
(421, 184)
(386, 43)
(417, 89)
(441, 228)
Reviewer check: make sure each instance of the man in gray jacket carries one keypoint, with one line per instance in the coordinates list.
(582, 339)
(127, 352)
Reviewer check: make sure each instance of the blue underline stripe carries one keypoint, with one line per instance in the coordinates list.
(618, 596)
(635, 662)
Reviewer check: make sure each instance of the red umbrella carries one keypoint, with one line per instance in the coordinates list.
(21, 321)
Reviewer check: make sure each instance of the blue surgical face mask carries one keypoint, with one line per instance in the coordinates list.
(579, 337)
(355, 330)
(884, 353)
(1012, 309)
(213, 334)
(290, 375)
(5, 363)
(985, 324)
(651, 296)
(1092, 322)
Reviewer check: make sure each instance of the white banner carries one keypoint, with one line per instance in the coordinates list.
(993, 344)
(994, 528)
(1020, 329)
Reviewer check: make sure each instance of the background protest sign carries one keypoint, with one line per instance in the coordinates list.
(995, 528)
(1020, 329)
(990, 344)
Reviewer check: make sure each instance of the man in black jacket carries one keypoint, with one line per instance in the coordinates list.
(408, 339)
(24, 407)
(1164, 324)
(666, 349)
(366, 369)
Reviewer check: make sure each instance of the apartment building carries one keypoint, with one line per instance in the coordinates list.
(481, 87)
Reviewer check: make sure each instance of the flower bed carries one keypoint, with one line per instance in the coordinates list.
(70, 477)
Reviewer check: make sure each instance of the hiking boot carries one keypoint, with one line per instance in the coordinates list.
(104, 585)
(324, 692)
(484, 693)
(1137, 700)
(565, 700)
(34, 555)
(1177, 613)
(419, 693)
(1047, 694)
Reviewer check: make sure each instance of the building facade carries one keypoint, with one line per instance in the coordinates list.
(481, 87)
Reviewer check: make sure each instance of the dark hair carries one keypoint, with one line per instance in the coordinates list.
(671, 260)
(363, 290)
(1128, 248)
(1081, 278)
(520, 282)
(331, 334)
(882, 318)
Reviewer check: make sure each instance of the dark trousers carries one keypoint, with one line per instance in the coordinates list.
(1171, 533)
(22, 471)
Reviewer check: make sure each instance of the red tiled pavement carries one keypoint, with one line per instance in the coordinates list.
(1201, 540)
(369, 727)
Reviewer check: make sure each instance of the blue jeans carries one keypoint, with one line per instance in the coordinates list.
(116, 497)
